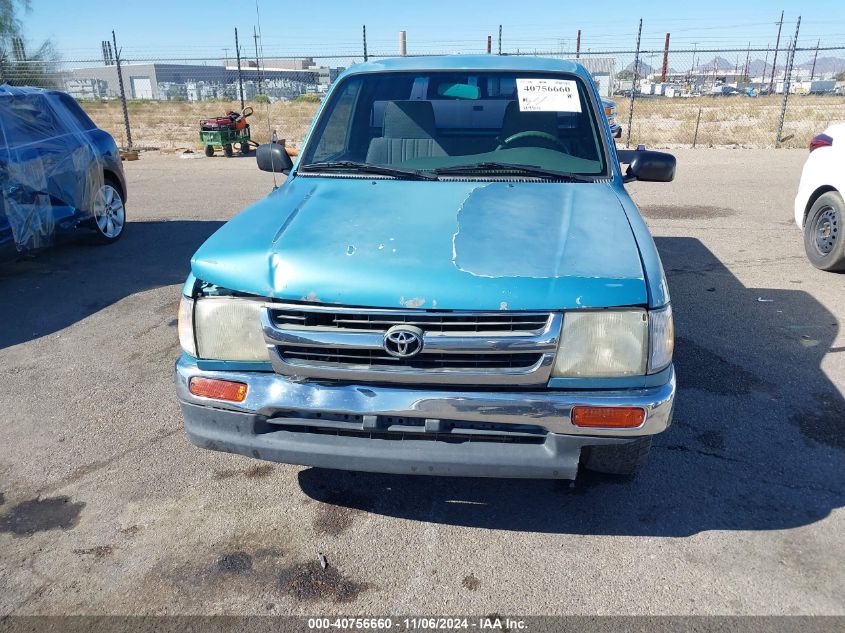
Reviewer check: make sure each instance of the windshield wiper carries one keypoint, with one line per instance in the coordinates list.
(369, 168)
(530, 170)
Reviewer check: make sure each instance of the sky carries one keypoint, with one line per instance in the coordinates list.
(205, 28)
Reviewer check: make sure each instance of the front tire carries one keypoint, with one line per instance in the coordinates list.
(228, 151)
(824, 233)
(109, 213)
(209, 150)
(617, 459)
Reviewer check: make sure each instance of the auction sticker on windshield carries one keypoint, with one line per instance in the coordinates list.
(548, 95)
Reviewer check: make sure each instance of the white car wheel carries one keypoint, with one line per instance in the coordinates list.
(824, 233)
(109, 213)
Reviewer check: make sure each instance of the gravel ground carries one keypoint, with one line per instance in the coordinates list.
(105, 507)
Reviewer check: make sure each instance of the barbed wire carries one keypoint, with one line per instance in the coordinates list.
(707, 94)
(149, 57)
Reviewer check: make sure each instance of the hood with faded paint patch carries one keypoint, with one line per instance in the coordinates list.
(450, 245)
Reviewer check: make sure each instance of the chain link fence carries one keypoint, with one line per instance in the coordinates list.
(734, 98)
(672, 98)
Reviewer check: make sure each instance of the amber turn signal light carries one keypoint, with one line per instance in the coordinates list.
(608, 417)
(218, 389)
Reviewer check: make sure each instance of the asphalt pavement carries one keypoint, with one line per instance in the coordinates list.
(105, 507)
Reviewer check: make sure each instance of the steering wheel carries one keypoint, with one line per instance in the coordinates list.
(533, 134)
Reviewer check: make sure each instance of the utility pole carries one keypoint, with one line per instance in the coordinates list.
(489, 44)
(815, 57)
(787, 80)
(786, 64)
(665, 60)
(500, 39)
(578, 45)
(365, 43)
(257, 64)
(766, 62)
(775, 59)
(403, 43)
(561, 47)
(122, 93)
(240, 76)
(634, 85)
(747, 68)
(715, 69)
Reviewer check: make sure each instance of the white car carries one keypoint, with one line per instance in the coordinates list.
(819, 205)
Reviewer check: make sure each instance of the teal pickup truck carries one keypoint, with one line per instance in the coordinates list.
(452, 280)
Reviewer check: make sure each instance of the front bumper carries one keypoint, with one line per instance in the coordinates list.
(368, 427)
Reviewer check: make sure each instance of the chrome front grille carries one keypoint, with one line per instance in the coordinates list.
(347, 344)
(367, 358)
(439, 323)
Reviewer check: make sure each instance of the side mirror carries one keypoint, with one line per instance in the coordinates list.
(273, 157)
(648, 165)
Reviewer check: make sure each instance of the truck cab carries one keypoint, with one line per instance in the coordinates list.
(452, 280)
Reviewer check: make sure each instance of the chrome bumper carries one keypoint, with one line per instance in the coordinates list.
(287, 420)
(269, 394)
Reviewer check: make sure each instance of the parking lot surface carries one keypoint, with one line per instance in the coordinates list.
(105, 507)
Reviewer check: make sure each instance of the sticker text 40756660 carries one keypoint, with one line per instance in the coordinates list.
(548, 95)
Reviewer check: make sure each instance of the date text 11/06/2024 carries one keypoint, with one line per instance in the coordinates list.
(487, 623)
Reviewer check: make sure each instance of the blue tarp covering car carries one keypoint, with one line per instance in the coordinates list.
(58, 172)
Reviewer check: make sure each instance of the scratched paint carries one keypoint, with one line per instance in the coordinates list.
(547, 231)
(469, 245)
(416, 302)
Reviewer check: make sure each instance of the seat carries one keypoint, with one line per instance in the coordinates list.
(409, 132)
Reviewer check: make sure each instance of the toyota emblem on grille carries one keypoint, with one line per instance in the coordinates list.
(403, 341)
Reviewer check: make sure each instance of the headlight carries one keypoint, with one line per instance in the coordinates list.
(602, 344)
(614, 343)
(661, 337)
(229, 328)
(186, 326)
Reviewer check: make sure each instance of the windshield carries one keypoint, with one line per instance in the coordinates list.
(473, 123)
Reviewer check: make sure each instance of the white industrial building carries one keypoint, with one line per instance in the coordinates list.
(197, 82)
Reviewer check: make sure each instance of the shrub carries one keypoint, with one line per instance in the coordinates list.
(308, 97)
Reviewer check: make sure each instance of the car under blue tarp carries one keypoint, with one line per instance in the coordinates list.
(51, 166)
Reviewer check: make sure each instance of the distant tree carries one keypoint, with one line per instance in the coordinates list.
(10, 31)
(840, 76)
(9, 23)
(21, 65)
(625, 74)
